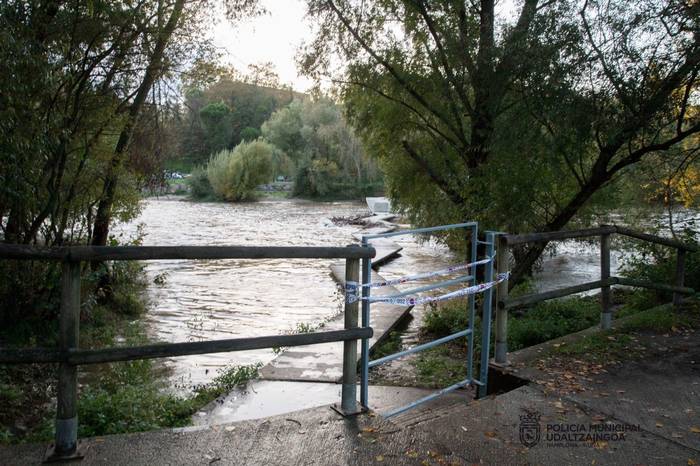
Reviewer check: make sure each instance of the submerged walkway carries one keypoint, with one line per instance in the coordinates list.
(324, 362)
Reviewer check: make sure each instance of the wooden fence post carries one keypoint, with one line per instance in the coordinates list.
(680, 275)
(501, 356)
(66, 440)
(348, 403)
(605, 304)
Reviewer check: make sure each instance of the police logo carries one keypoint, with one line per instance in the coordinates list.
(530, 430)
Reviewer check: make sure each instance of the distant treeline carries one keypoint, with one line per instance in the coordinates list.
(234, 136)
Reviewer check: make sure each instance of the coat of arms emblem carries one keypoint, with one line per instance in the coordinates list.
(530, 430)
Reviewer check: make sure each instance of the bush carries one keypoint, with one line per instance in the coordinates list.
(544, 321)
(200, 188)
(235, 174)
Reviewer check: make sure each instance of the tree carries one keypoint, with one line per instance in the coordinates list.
(235, 174)
(523, 124)
(328, 156)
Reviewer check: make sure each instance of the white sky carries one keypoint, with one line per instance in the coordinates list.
(274, 37)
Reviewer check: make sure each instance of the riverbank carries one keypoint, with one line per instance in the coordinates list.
(444, 365)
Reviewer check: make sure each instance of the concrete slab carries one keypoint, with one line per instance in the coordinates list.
(324, 362)
(264, 398)
(487, 431)
(387, 250)
(657, 388)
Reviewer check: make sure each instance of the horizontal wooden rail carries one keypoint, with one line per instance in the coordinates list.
(557, 235)
(525, 300)
(674, 243)
(602, 230)
(129, 353)
(105, 253)
(654, 286)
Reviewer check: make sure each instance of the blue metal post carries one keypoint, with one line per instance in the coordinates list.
(366, 278)
(472, 306)
(486, 317)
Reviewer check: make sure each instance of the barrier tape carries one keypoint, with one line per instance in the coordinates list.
(352, 297)
(420, 276)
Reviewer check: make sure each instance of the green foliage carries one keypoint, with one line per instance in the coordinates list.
(515, 126)
(441, 366)
(235, 174)
(250, 134)
(544, 321)
(326, 157)
(552, 319)
(391, 345)
(126, 398)
(200, 187)
(446, 319)
(223, 112)
(216, 121)
(227, 379)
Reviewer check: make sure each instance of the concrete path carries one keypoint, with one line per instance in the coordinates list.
(264, 398)
(324, 362)
(448, 432)
(658, 388)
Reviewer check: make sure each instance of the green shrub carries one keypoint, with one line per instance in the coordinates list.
(235, 174)
(542, 322)
(200, 188)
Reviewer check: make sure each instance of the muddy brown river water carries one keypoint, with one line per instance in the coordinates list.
(214, 299)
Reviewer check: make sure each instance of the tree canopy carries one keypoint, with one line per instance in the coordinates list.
(520, 118)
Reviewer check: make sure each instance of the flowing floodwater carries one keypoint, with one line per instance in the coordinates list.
(214, 299)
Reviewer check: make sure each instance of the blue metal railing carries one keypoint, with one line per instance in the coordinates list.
(472, 232)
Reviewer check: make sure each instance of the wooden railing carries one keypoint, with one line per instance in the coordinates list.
(69, 356)
(505, 303)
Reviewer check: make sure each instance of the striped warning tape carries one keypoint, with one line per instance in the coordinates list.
(420, 276)
(352, 296)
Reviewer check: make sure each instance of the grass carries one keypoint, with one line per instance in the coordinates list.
(391, 345)
(441, 366)
(543, 322)
(622, 342)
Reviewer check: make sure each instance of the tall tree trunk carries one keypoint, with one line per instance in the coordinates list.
(103, 215)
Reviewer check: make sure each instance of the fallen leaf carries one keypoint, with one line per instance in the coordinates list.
(658, 424)
(691, 462)
(695, 429)
(379, 458)
(490, 434)
(369, 429)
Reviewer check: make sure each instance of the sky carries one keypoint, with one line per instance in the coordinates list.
(273, 37)
(276, 36)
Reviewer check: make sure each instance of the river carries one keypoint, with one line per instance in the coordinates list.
(214, 299)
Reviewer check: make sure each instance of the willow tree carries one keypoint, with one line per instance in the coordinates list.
(521, 117)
